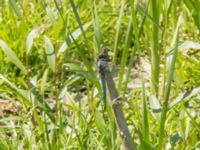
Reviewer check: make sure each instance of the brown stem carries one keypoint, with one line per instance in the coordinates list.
(115, 101)
(118, 113)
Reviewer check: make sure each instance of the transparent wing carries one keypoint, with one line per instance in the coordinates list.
(103, 87)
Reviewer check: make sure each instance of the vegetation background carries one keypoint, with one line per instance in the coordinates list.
(50, 95)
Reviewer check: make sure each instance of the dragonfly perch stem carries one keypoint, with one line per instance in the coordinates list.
(115, 100)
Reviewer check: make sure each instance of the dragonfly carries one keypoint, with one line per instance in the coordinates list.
(102, 67)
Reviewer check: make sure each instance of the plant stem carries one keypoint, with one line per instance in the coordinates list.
(116, 106)
(155, 53)
(166, 97)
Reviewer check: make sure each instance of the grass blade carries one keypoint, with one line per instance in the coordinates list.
(79, 23)
(15, 8)
(117, 37)
(26, 98)
(30, 38)
(189, 45)
(136, 47)
(155, 53)
(186, 96)
(166, 96)
(145, 124)
(135, 29)
(144, 18)
(194, 122)
(75, 35)
(21, 92)
(101, 124)
(12, 56)
(125, 53)
(49, 49)
(193, 7)
(51, 16)
(97, 28)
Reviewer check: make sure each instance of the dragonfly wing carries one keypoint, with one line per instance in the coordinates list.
(103, 87)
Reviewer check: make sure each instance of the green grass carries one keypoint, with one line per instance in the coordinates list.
(48, 53)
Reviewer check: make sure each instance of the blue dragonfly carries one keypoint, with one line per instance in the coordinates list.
(102, 64)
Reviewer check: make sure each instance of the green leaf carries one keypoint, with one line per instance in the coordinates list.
(193, 7)
(145, 124)
(189, 45)
(80, 24)
(77, 68)
(51, 16)
(193, 120)
(124, 57)
(75, 35)
(155, 52)
(12, 56)
(167, 93)
(25, 94)
(49, 49)
(118, 35)
(15, 8)
(186, 96)
(29, 40)
(71, 102)
(44, 81)
(96, 141)
(100, 123)
(97, 28)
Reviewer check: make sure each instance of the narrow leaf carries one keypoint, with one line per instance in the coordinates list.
(79, 23)
(51, 16)
(166, 96)
(145, 124)
(15, 8)
(12, 56)
(125, 53)
(189, 45)
(100, 123)
(29, 40)
(97, 28)
(21, 92)
(49, 49)
(75, 35)
(117, 36)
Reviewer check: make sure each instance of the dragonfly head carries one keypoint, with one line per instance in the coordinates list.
(104, 54)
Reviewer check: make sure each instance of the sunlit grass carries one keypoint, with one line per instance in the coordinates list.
(48, 65)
